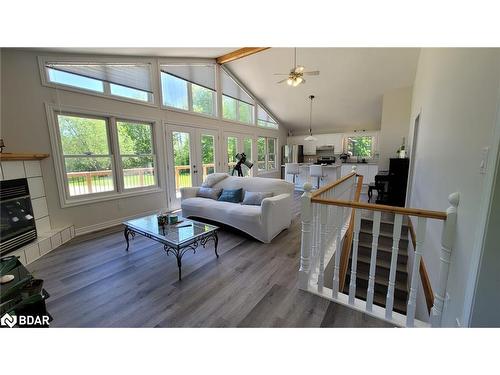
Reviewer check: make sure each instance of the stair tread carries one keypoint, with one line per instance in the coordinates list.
(382, 221)
(380, 247)
(404, 236)
(382, 263)
(380, 299)
(399, 285)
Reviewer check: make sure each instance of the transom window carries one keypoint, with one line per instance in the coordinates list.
(266, 153)
(237, 105)
(93, 166)
(189, 87)
(265, 120)
(359, 146)
(130, 81)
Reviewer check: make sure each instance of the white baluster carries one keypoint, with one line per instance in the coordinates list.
(314, 208)
(322, 246)
(396, 235)
(447, 243)
(373, 260)
(306, 240)
(338, 232)
(354, 263)
(415, 276)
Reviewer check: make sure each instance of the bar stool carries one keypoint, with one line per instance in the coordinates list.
(317, 171)
(293, 169)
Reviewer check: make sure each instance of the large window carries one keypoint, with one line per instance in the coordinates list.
(266, 153)
(189, 87)
(129, 81)
(237, 105)
(92, 165)
(265, 120)
(359, 146)
(136, 154)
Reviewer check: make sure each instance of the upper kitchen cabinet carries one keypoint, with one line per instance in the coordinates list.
(309, 148)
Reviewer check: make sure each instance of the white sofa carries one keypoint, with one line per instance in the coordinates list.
(261, 222)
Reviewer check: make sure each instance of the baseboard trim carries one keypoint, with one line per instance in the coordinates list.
(108, 224)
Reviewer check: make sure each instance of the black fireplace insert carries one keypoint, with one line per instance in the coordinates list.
(17, 224)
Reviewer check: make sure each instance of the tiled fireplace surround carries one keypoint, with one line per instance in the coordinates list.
(48, 238)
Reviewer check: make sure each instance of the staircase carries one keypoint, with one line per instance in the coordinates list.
(383, 265)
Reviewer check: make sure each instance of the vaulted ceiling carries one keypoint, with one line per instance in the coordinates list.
(348, 91)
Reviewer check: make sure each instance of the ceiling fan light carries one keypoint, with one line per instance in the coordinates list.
(299, 69)
(289, 81)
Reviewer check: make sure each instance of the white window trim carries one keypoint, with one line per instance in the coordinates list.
(222, 118)
(265, 171)
(190, 102)
(119, 192)
(42, 60)
(360, 133)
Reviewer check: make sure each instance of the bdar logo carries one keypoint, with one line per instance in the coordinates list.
(8, 320)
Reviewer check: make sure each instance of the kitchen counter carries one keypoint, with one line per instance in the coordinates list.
(332, 173)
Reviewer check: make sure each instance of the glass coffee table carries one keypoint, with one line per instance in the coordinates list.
(176, 238)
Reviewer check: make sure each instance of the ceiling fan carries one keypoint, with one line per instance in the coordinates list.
(297, 73)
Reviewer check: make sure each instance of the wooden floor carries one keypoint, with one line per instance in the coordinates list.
(94, 282)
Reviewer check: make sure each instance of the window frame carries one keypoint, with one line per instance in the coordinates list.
(272, 118)
(111, 119)
(238, 121)
(267, 153)
(44, 75)
(189, 96)
(120, 156)
(372, 134)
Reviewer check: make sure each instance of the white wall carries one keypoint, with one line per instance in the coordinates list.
(395, 122)
(456, 93)
(25, 130)
(485, 312)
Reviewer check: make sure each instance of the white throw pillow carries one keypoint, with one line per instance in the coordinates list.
(213, 179)
(255, 198)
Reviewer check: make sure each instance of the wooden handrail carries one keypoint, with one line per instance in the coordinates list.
(424, 277)
(347, 245)
(439, 215)
(332, 185)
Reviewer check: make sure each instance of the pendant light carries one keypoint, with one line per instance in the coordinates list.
(310, 136)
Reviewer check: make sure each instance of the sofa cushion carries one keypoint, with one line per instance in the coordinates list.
(224, 212)
(231, 195)
(253, 198)
(213, 179)
(210, 193)
(256, 184)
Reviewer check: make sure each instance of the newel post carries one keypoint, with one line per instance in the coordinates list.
(447, 243)
(306, 241)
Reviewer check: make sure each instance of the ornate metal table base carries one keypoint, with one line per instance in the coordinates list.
(179, 250)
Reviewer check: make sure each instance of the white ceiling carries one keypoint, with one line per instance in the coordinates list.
(348, 90)
(200, 52)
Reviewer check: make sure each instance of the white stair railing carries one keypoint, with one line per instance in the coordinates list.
(325, 218)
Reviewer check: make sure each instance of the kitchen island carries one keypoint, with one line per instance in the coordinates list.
(333, 172)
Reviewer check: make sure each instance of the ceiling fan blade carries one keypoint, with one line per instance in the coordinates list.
(313, 73)
(283, 80)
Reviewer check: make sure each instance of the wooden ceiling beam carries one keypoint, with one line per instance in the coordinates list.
(238, 54)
